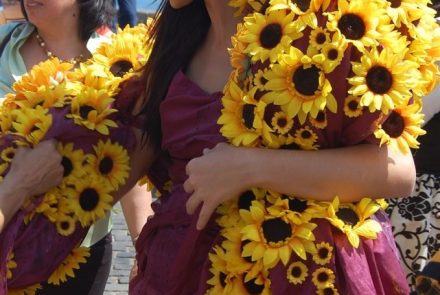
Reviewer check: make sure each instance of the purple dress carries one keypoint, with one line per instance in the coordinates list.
(173, 255)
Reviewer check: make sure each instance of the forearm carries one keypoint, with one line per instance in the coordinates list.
(350, 173)
(11, 199)
(136, 205)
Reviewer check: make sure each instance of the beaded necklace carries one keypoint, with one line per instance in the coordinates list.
(75, 60)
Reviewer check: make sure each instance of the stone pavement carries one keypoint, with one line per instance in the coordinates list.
(123, 256)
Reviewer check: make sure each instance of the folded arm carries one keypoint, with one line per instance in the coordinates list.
(351, 173)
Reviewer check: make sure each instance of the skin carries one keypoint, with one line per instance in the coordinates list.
(40, 167)
(351, 172)
(61, 39)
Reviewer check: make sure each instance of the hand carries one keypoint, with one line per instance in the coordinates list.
(217, 176)
(36, 170)
(134, 271)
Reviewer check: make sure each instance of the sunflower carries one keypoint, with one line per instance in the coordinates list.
(320, 122)
(32, 124)
(297, 210)
(354, 220)
(31, 290)
(46, 96)
(358, 21)
(229, 211)
(67, 267)
(240, 62)
(298, 82)
(10, 265)
(329, 290)
(306, 138)
(319, 37)
(90, 200)
(72, 161)
(333, 52)
(276, 126)
(404, 11)
(125, 55)
(111, 162)
(324, 253)
(273, 238)
(269, 35)
(352, 106)
(222, 278)
(96, 76)
(401, 129)
(305, 11)
(51, 72)
(323, 277)
(65, 225)
(236, 262)
(382, 80)
(241, 117)
(297, 272)
(91, 108)
(258, 285)
(53, 206)
(8, 154)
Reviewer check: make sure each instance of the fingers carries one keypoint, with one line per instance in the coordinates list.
(205, 215)
(192, 204)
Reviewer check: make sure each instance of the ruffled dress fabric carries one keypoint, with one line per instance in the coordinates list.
(173, 256)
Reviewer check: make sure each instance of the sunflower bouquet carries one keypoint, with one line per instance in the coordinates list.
(311, 75)
(81, 109)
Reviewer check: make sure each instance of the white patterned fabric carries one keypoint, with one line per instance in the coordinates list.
(416, 224)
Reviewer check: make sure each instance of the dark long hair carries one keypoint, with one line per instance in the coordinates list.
(177, 34)
(93, 14)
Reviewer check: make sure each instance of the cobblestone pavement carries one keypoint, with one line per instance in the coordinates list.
(123, 256)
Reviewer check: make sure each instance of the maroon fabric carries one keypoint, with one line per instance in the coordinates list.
(173, 256)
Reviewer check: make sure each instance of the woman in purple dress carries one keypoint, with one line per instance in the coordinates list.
(195, 171)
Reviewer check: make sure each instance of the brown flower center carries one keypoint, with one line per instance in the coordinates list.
(248, 115)
(252, 287)
(353, 105)
(323, 253)
(395, 3)
(276, 230)
(296, 272)
(322, 277)
(379, 79)
(303, 5)
(320, 117)
(332, 54)
(328, 291)
(84, 111)
(245, 200)
(320, 38)
(121, 67)
(394, 125)
(106, 165)
(352, 26)
(297, 205)
(306, 80)
(348, 216)
(271, 35)
(67, 165)
(89, 199)
(65, 225)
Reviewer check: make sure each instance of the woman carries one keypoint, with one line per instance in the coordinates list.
(188, 68)
(68, 34)
(42, 169)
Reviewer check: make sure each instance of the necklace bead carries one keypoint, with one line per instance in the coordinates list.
(75, 61)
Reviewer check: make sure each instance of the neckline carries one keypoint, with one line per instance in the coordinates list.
(189, 80)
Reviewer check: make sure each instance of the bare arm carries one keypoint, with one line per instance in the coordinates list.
(136, 205)
(351, 173)
(33, 171)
